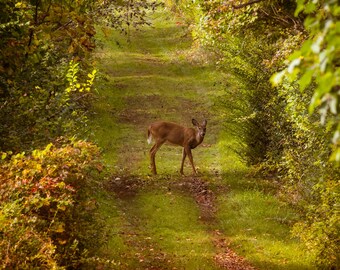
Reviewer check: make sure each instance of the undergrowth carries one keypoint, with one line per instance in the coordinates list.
(48, 215)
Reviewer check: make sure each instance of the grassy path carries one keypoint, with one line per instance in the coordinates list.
(170, 221)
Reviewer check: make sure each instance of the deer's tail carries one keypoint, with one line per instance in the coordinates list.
(149, 136)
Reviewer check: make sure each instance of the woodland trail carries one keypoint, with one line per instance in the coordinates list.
(166, 221)
(157, 79)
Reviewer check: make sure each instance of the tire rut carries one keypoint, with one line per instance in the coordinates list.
(150, 256)
(145, 254)
(205, 198)
(165, 92)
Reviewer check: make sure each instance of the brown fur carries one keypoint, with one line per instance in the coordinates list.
(188, 138)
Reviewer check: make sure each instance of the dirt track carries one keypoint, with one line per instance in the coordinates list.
(144, 85)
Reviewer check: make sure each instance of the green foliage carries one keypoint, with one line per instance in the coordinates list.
(48, 217)
(31, 118)
(39, 39)
(320, 230)
(313, 68)
(317, 61)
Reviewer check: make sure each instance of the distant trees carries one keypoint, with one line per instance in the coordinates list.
(281, 134)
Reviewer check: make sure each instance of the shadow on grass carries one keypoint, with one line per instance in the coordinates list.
(259, 224)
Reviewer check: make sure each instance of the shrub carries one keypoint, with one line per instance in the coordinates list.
(48, 217)
(320, 229)
(39, 40)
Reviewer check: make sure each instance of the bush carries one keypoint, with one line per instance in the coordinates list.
(320, 230)
(48, 217)
(39, 40)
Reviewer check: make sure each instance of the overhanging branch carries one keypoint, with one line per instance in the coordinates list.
(246, 4)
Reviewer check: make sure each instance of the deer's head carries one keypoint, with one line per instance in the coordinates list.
(201, 128)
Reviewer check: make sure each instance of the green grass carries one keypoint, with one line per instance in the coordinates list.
(116, 247)
(171, 220)
(256, 222)
(259, 223)
(156, 77)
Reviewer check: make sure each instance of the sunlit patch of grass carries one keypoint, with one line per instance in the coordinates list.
(172, 220)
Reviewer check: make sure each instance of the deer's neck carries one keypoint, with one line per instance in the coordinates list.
(198, 140)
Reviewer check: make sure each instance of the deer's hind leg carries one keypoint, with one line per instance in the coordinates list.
(153, 152)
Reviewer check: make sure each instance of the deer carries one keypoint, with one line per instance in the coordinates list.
(188, 138)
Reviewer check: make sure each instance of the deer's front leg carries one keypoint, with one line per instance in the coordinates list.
(183, 158)
(188, 152)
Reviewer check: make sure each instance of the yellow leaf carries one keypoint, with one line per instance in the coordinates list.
(38, 167)
(62, 207)
(60, 228)
(61, 184)
(19, 5)
(62, 242)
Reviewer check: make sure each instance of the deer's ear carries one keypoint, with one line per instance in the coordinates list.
(194, 122)
(204, 123)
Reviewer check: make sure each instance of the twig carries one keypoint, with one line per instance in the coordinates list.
(246, 4)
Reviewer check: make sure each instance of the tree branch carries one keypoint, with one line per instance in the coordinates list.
(246, 4)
